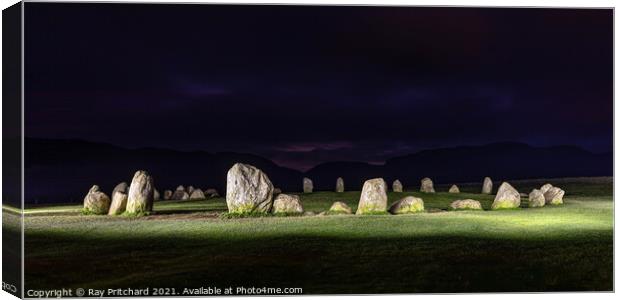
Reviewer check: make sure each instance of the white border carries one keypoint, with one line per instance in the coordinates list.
(497, 3)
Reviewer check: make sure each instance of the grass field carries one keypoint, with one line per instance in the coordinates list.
(186, 244)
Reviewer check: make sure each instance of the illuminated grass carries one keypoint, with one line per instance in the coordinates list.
(186, 244)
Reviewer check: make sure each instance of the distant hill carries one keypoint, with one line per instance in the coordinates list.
(64, 170)
(470, 164)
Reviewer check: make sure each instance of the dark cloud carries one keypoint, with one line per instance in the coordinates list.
(307, 84)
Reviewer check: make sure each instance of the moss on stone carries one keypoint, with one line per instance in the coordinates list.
(373, 213)
(253, 214)
(135, 214)
(503, 204)
(371, 209)
(556, 202)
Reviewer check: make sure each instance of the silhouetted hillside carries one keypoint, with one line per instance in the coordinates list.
(471, 164)
(64, 170)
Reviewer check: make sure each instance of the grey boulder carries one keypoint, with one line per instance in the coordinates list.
(407, 205)
(536, 198)
(507, 197)
(287, 204)
(397, 186)
(554, 196)
(96, 202)
(373, 198)
(197, 194)
(487, 186)
(140, 197)
(465, 204)
(426, 185)
(308, 186)
(248, 190)
(119, 203)
(339, 185)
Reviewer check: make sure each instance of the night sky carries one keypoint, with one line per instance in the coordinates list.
(302, 85)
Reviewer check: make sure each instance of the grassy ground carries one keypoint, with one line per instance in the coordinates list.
(186, 244)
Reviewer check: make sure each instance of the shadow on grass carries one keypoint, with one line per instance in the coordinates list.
(324, 264)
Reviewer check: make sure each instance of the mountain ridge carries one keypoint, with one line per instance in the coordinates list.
(64, 170)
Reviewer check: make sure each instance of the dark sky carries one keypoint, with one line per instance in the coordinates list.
(305, 84)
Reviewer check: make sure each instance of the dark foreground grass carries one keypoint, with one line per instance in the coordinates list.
(187, 244)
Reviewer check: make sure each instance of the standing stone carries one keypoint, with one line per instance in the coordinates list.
(507, 197)
(140, 198)
(156, 195)
(212, 193)
(339, 207)
(308, 186)
(545, 188)
(454, 189)
(339, 185)
(248, 190)
(180, 188)
(465, 204)
(287, 204)
(167, 194)
(487, 186)
(180, 195)
(190, 189)
(121, 187)
(197, 194)
(536, 198)
(397, 186)
(96, 202)
(554, 196)
(407, 205)
(373, 198)
(119, 203)
(426, 185)
(277, 191)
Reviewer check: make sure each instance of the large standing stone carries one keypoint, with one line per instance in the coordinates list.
(119, 203)
(180, 188)
(454, 189)
(156, 195)
(212, 193)
(190, 189)
(545, 187)
(140, 198)
(96, 202)
(197, 194)
(180, 195)
(339, 185)
(248, 190)
(287, 204)
(397, 186)
(407, 205)
(121, 187)
(465, 204)
(487, 185)
(554, 196)
(373, 198)
(507, 197)
(536, 198)
(167, 194)
(340, 208)
(426, 185)
(308, 186)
